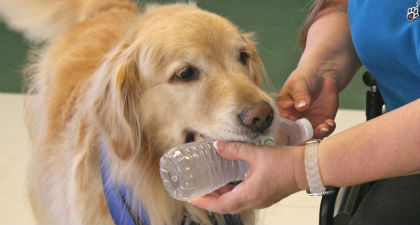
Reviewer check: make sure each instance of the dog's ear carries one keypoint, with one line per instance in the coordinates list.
(116, 107)
(128, 83)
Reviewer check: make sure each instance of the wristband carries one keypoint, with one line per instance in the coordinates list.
(316, 187)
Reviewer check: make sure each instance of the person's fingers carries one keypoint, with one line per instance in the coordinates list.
(286, 108)
(220, 191)
(226, 199)
(230, 198)
(331, 124)
(301, 96)
(324, 129)
(236, 150)
(209, 203)
(228, 203)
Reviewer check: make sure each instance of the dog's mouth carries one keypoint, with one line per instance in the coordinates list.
(230, 134)
(192, 136)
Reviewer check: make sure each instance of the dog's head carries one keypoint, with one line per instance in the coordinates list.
(183, 74)
(180, 75)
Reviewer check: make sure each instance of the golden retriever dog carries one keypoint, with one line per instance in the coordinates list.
(122, 84)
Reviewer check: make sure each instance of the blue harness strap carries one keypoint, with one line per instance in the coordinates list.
(230, 219)
(121, 207)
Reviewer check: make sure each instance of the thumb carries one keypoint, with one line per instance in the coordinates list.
(236, 150)
(301, 96)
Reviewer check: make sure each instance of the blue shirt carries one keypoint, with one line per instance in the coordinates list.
(388, 44)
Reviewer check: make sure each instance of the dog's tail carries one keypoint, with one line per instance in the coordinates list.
(42, 20)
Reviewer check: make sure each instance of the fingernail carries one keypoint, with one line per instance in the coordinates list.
(219, 145)
(331, 124)
(215, 144)
(301, 104)
(324, 129)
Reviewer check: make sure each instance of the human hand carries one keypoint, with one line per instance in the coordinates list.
(271, 177)
(308, 94)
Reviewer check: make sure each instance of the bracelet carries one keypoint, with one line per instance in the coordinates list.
(316, 187)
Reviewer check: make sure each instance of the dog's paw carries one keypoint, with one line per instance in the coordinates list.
(412, 13)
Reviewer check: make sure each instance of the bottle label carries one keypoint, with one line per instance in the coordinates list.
(269, 142)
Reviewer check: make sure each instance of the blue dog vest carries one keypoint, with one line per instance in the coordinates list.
(121, 207)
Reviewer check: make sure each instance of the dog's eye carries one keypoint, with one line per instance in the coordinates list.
(189, 73)
(244, 57)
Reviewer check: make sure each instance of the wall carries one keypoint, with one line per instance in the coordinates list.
(276, 25)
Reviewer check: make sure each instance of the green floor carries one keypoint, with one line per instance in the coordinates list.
(275, 23)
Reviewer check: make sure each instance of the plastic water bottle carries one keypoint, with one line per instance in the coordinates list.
(194, 169)
(296, 132)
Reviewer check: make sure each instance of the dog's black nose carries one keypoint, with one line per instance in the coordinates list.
(257, 117)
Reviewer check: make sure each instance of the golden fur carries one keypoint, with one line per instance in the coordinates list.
(105, 77)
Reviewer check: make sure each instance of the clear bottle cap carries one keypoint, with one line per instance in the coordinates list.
(306, 129)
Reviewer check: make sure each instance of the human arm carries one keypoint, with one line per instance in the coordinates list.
(387, 146)
(327, 64)
(384, 147)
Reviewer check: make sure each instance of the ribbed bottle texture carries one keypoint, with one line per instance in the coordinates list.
(195, 169)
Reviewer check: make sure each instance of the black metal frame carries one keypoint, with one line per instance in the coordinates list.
(338, 208)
